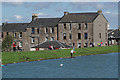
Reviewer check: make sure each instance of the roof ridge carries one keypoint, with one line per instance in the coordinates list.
(85, 13)
(60, 43)
(50, 18)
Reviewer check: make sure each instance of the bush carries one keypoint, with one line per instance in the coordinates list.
(7, 43)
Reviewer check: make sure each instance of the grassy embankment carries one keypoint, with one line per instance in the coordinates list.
(11, 57)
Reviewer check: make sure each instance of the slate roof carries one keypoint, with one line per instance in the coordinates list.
(114, 34)
(44, 22)
(55, 43)
(14, 27)
(79, 17)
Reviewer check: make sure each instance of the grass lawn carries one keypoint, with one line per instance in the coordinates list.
(11, 57)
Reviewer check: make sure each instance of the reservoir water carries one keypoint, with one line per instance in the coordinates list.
(93, 66)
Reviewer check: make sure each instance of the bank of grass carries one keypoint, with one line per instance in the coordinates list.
(11, 57)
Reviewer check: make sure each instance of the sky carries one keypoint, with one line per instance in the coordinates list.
(21, 12)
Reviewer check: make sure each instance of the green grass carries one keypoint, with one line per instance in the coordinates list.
(11, 57)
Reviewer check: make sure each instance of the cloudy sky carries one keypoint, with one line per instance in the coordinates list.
(14, 12)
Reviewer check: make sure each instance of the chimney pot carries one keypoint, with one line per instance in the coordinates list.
(99, 11)
(34, 16)
(65, 13)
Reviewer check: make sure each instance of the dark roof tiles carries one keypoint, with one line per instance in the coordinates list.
(14, 27)
(114, 34)
(79, 17)
(44, 22)
(57, 44)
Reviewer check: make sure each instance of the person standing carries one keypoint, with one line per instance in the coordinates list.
(14, 47)
(72, 53)
(101, 43)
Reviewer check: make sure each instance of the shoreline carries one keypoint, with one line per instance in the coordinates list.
(53, 58)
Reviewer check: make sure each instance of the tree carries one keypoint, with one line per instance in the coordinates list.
(7, 43)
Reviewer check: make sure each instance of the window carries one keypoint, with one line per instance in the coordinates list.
(70, 26)
(52, 38)
(70, 35)
(7, 33)
(85, 35)
(86, 44)
(2, 35)
(106, 35)
(46, 39)
(79, 45)
(14, 35)
(38, 31)
(32, 40)
(99, 35)
(46, 30)
(64, 26)
(86, 26)
(33, 30)
(20, 44)
(106, 26)
(64, 36)
(79, 35)
(79, 26)
(51, 30)
(20, 35)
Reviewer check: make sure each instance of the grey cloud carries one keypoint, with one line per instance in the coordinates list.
(12, 4)
(94, 5)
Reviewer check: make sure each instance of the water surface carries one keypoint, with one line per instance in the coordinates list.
(93, 66)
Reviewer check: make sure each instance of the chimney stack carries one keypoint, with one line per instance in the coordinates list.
(34, 16)
(65, 13)
(99, 11)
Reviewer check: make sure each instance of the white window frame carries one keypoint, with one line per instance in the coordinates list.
(14, 35)
(79, 44)
(70, 26)
(64, 34)
(20, 35)
(52, 38)
(32, 40)
(46, 30)
(20, 44)
(52, 30)
(86, 26)
(79, 26)
(46, 38)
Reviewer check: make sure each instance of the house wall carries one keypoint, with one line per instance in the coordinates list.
(17, 39)
(40, 37)
(100, 26)
(74, 31)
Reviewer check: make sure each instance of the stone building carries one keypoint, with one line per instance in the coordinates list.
(114, 37)
(76, 29)
(81, 29)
